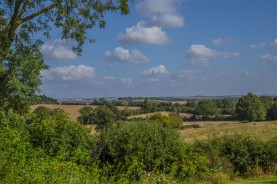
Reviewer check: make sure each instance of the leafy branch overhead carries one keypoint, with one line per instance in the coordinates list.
(20, 19)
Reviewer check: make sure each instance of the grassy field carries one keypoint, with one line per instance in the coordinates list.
(263, 180)
(164, 113)
(73, 110)
(209, 129)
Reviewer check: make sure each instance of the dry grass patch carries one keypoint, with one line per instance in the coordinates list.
(261, 130)
(164, 113)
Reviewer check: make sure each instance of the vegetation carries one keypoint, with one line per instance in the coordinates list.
(46, 146)
(250, 108)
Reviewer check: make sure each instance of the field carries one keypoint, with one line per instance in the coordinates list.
(73, 110)
(164, 113)
(209, 129)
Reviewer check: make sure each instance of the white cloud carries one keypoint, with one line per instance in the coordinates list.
(199, 55)
(258, 45)
(161, 69)
(274, 43)
(125, 56)
(162, 12)
(69, 73)
(201, 51)
(57, 50)
(269, 58)
(140, 34)
(127, 81)
(167, 20)
(221, 41)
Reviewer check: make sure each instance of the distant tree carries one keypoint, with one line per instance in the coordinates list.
(102, 117)
(250, 108)
(85, 115)
(266, 101)
(272, 112)
(206, 109)
(148, 106)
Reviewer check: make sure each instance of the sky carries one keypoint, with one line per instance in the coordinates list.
(171, 48)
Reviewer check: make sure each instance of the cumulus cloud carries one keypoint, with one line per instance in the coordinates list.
(221, 41)
(161, 69)
(258, 45)
(162, 12)
(199, 55)
(57, 50)
(125, 56)
(127, 81)
(141, 34)
(69, 73)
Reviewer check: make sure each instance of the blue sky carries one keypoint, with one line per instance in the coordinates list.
(171, 48)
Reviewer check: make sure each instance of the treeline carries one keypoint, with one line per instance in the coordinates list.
(47, 147)
(246, 108)
(43, 99)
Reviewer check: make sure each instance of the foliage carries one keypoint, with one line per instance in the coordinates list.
(172, 120)
(20, 78)
(272, 112)
(250, 108)
(43, 99)
(54, 133)
(86, 115)
(266, 101)
(245, 154)
(206, 109)
(148, 106)
(132, 148)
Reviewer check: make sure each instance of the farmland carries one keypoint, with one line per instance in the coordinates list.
(73, 110)
(264, 130)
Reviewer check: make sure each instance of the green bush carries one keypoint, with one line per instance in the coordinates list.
(131, 148)
(54, 133)
(172, 120)
(240, 154)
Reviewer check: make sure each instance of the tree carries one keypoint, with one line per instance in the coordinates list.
(102, 117)
(20, 58)
(148, 106)
(250, 108)
(272, 112)
(206, 109)
(86, 115)
(266, 101)
(20, 77)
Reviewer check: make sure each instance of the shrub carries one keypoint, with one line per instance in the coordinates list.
(131, 148)
(53, 132)
(172, 120)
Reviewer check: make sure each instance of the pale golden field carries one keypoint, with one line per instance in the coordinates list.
(73, 110)
(209, 129)
(164, 113)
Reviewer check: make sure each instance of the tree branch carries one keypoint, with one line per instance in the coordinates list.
(43, 10)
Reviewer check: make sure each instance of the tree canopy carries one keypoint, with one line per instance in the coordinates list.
(250, 108)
